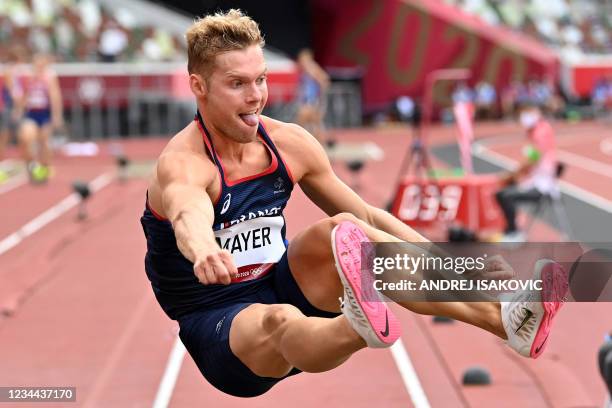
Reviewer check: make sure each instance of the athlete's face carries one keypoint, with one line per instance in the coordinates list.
(235, 93)
(39, 63)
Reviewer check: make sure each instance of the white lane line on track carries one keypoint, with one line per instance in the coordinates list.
(586, 196)
(13, 183)
(578, 193)
(577, 160)
(586, 163)
(10, 165)
(409, 375)
(171, 373)
(398, 351)
(116, 355)
(482, 152)
(51, 214)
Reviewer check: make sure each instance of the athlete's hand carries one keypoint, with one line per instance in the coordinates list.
(495, 268)
(215, 267)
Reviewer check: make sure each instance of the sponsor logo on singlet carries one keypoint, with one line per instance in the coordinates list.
(278, 186)
(226, 203)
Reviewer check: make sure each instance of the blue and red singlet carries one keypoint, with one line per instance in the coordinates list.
(248, 222)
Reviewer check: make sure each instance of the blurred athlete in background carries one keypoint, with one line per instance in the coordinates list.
(42, 112)
(314, 83)
(10, 94)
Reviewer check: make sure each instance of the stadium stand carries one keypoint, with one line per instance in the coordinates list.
(121, 63)
(562, 46)
(86, 30)
(582, 25)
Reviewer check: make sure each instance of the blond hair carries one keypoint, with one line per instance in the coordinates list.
(218, 33)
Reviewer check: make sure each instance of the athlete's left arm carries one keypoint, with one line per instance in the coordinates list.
(319, 182)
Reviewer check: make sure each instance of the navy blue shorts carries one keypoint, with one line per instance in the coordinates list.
(205, 334)
(40, 117)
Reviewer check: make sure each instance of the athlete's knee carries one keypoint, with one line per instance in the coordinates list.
(27, 132)
(276, 317)
(326, 225)
(323, 228)
(342, 217)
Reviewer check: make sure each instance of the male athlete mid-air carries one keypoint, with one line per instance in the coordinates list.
(253, 308)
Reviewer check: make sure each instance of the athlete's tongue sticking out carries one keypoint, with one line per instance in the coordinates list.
(249, 118)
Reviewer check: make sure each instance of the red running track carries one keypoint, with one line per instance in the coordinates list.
(84, 315)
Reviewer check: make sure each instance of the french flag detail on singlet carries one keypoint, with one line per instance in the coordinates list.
(37, 96)
(249, 220)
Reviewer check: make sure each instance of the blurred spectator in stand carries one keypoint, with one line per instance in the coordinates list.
(570, 34)
(39, 39)
(512, 13)
(6, 33)
(485, 100)
(65, 32)
(601, 95)
(462, 93)
(576, 26)
(538, 92)
(87, 49)
(601, 36)
(157, 46)
(81, 30)
(510, 98)
(149, 49)
(112, 42)
(554, 105)
(21, 20)
(542, 92)
(404, 109)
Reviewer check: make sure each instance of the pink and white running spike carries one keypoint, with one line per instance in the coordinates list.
(368, 315)
(527, 316)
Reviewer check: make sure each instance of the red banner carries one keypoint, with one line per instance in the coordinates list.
(579, 79)
(398, 42)
(468, 201)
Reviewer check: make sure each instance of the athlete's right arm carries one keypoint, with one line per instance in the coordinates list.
(183, 179)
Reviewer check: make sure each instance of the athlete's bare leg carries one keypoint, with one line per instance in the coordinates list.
(27, 136)
(44, 136)
(4, 139)
(312, 264)
(272, 339)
